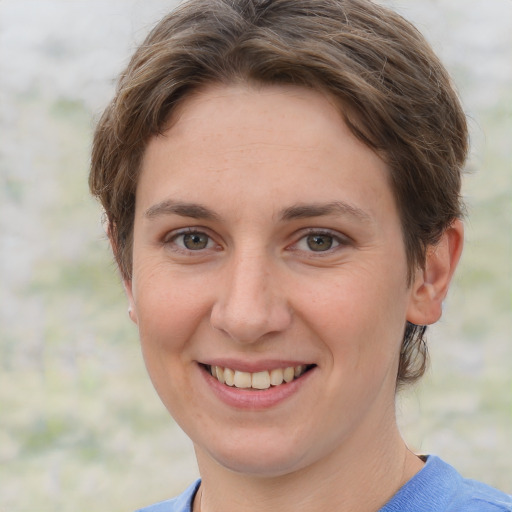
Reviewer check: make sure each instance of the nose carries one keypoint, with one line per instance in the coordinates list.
(250, 302)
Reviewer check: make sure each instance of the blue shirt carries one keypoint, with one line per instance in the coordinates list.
(436, 488)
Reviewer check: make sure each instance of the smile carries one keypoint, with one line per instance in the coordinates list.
(258, 380)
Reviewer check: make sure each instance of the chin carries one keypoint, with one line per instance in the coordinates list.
(261, 458)
(271, 467)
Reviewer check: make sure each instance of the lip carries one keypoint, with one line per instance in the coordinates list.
(254, 366)
(254, 399)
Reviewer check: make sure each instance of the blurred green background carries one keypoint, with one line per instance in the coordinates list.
(80, 426)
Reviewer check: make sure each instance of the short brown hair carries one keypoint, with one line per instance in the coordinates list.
(394, 95)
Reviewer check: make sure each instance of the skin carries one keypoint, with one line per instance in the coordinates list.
(254, 172)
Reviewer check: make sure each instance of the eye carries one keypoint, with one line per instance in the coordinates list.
(319, 241)
(192, 241)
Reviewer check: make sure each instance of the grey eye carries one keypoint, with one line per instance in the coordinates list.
(195, 241)
(319, 243)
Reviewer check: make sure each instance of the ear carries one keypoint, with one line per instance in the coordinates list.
(127, 284)
(431, 283)
(132, 311)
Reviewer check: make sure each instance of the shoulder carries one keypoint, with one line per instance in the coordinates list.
(438, 487)
(478, 497)
(182, 503)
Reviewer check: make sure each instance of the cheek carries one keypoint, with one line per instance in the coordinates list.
(166, 300)
(168, 322)
(169, 313)
(360, 320)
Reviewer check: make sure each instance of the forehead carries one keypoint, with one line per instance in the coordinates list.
(231, 140)
(263, 110)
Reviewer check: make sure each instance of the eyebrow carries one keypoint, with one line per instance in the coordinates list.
(295, 212)
(306, 211)
(184, 209)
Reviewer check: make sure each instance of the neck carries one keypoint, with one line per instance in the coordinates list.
(358, 477)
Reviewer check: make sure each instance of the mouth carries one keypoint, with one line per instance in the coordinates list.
(258, 380)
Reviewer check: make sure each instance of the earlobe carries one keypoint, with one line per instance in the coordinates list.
(127, 284)
(132, 315)
(132, 312)
(431, 283)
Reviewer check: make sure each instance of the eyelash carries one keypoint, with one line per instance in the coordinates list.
(337, 239)
(170, 240)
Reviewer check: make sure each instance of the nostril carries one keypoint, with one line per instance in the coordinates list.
(249, 325)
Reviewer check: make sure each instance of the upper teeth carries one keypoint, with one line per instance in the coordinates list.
(257, 380)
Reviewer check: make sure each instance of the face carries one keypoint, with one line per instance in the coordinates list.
(268, 251)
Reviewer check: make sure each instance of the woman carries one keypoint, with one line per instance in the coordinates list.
(282, 186)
